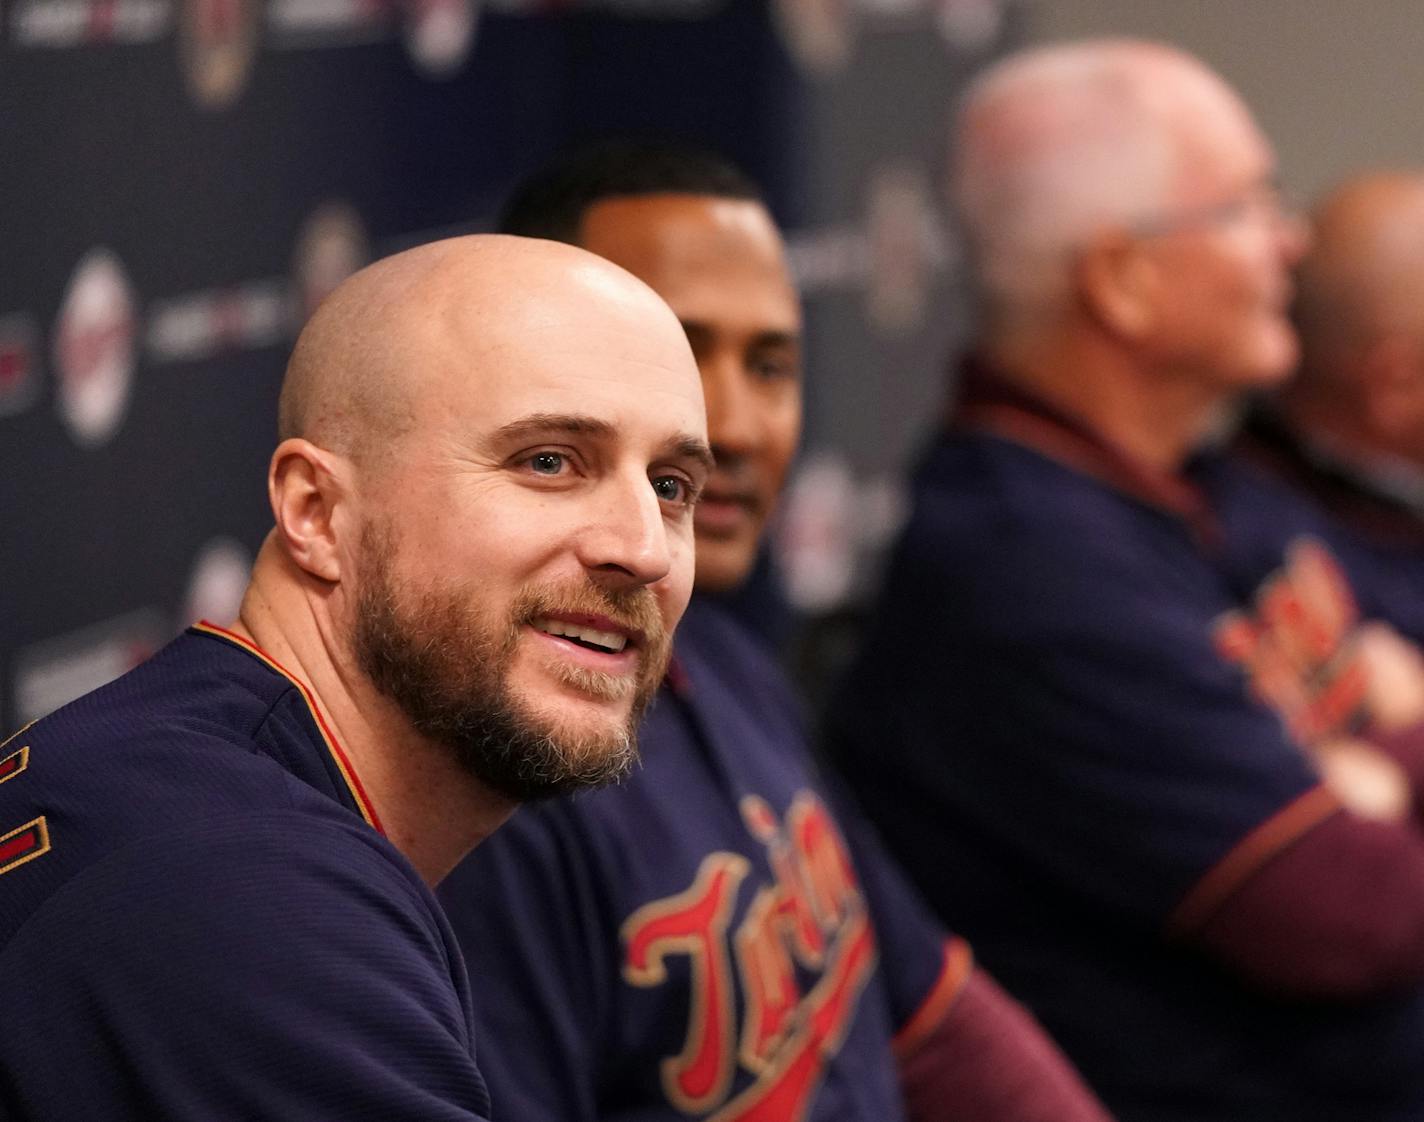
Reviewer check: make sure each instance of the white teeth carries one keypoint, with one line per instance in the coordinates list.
(610, 639)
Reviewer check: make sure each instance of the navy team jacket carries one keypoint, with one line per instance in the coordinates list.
(1051, 725)
(710, 939)
(200, 919)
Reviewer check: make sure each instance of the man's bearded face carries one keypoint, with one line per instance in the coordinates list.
(444, 658)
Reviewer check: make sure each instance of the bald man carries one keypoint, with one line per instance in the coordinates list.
(215, 888)
(1348, 431)
(1118, 714)
(720, 934)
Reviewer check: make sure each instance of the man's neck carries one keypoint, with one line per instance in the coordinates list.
(429, 807)
(1155, 421)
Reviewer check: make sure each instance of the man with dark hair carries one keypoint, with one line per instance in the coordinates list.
(552, 202)
(719, 935)
(1116, 710)
(215, 888)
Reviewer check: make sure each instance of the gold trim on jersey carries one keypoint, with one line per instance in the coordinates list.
(40, 829)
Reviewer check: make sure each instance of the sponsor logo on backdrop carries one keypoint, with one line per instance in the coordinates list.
(893, 255)
(627, 9)
(218, 581)
(265, 312)
(331, 246)
(819, 34)
(330, 23)
(200, 325)
(439, 34)
(73, 23)
(815, 534)
(55, 671)
(19, 364)
(94, 349)
(827, 522)
(900, 232)
(217, 42)
(970, 25)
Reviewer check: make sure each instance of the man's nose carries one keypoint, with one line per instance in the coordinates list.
(733, 418)
(1293, 233)
(625, 543)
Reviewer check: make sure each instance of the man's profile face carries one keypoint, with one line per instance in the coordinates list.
(1225, 304)
(524, 559)
(720, 265)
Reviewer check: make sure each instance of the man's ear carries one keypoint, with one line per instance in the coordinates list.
(306, 485)
(1118, 284)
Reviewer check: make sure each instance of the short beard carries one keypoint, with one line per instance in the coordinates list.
(446, 665)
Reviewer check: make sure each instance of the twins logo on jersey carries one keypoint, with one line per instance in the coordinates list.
(810, 919)
(1295, 644)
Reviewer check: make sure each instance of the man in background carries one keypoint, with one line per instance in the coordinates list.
(718, 936)
(1134, 749)
(215, 888)
(1348, 430)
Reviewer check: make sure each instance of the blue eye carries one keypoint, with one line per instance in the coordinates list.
(547, 463)
(670, 489)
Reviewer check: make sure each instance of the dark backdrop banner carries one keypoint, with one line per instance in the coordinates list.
(185, 179)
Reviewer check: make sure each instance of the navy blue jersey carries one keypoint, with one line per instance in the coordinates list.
(711, 938)
(200, 920)
(1069, 723)
(1375, 521)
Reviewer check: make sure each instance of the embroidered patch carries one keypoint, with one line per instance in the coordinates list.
(25, 844)
(14, 763)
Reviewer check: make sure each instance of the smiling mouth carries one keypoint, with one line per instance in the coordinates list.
(590, 638)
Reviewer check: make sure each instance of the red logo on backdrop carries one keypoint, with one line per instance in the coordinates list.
(19, 373)
(73, 23)
(217, 41)
(94, 348)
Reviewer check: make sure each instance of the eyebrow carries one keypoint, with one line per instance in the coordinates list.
(682, 446)
(691, 448)
(772, 338)
(539, 424)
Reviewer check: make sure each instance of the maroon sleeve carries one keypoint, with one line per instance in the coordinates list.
(985, 1059)
(1336, 913)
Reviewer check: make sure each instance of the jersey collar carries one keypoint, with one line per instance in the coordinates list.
(333, 747)
(989, 402)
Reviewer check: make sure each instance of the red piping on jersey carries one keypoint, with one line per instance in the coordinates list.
(343, 762)
(1248, 855)
(953, 974)
(990, 402)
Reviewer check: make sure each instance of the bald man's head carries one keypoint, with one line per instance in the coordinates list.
(1360, 314)
(1364, 277)
(1058, 143)
(509, 573)
(376, 345)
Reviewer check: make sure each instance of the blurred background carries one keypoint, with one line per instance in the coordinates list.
(185, 179)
